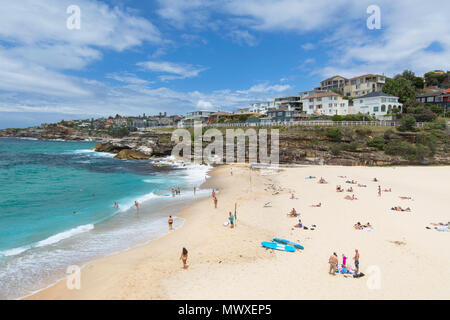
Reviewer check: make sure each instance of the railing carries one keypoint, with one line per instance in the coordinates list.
(326, 123)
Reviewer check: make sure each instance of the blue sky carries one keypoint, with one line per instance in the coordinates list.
(134, 57)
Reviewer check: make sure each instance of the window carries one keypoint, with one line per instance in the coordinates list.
(383, 108)
(375, 109)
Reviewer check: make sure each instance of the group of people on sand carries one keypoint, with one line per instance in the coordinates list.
(359, 226)
(440, 226)
(344, 267)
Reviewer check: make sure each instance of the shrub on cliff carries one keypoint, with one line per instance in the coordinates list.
(407, 123)
(334, 133)
(440, 124)
(336, 149)
(363, 131)
(396, 147)
(377, 142)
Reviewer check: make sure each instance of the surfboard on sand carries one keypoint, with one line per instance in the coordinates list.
(290, 243)
(277, 246)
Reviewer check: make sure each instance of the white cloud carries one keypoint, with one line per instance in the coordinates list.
(265, 88)
(37, 46)
(204, 105)
(172, 70)
(242, 37)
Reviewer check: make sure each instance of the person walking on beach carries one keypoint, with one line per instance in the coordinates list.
(184, 256)
(170, 223)
(215, 203)
(235, 214)
(333, 261)
(379, 191)
(356, 258)
(136, 204)
(195, 189)
(213, 193)
(231, 171)
(231, 218)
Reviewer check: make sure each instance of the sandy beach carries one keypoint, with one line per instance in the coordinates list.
(401, 259)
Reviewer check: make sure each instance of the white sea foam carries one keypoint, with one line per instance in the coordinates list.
(64, 235)
(50, 240)
(94, 153)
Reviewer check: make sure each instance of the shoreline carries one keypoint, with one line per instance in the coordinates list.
(229, 263)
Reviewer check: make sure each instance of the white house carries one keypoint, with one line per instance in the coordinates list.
(261, 107)
(325, 103)
(378, 104)
(199, 115)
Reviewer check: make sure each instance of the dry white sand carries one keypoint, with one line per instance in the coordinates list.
(229, 263)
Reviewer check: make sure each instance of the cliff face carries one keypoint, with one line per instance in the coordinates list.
(298, 146)
(310, 148)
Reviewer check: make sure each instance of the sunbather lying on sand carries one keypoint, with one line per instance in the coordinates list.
(351, 198)
(405, 198)
(339, 189)
(322, 181)
(359, 226)
(362, 185)
(400, 209)
(351, 182)
(301, 226)
(388, 190)
(317, 205)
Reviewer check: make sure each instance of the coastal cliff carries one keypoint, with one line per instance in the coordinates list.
(298, 145)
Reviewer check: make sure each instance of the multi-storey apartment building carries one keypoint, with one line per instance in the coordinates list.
(325, 103)
(333, 83)
(362, 85)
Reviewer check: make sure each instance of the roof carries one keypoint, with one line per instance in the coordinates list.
(322, 94)
(367, 75)
(333, 77)
(431, 94)
(377, 94)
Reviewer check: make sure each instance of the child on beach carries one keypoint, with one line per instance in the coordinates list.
(184, 256)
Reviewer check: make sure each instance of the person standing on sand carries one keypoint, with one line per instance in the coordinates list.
(184, 256)
(215, 203)
(213, 193)
(231, 171)
(195, 189)
(379, 191)
(136, 204)
(356, 258)
(333, 261)
(235, 214)
(231, 218)
(170, 223)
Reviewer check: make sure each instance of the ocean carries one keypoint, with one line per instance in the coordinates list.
(56, 207)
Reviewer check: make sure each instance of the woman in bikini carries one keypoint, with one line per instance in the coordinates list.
(184, 256)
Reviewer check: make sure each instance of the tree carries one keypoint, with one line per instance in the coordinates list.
(407, 123)
(434, 79)
(419, 111)
(400, 87)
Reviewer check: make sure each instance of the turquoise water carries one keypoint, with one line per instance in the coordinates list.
(56, 207)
